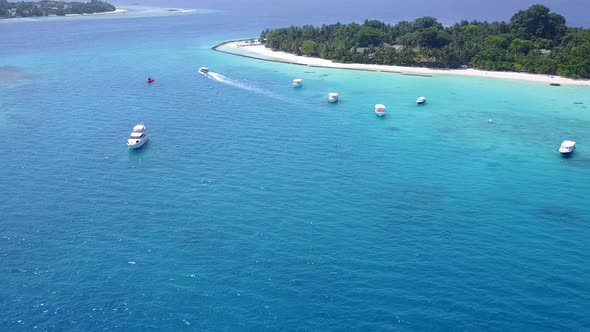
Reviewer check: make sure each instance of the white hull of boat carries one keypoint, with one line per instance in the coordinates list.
(138, 144)
(567, 148)
(333, 100)
(380, 110)
(567, 153)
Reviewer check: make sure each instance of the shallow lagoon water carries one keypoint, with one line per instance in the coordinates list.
(255, 206)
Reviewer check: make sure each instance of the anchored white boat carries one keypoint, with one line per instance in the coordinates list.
(567, 147)
(297, 83)
(421, 100)
(332, 97)
(138, 137)
(204, 71)
(380, 109)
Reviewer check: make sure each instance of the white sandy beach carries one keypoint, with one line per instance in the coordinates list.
(261, 52)
(116, 11)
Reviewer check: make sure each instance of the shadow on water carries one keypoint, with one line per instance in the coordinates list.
(558, 214)
(10, 75)
(447, 130)
(493, 164)
(393, 128)
(315, 96)
(575, 160)
(490, 148)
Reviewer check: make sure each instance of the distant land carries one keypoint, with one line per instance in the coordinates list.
(534, 41)
(52, 8)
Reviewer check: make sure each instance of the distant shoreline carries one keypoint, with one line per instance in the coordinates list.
(260, 52)
(126, 11)
(116, 11)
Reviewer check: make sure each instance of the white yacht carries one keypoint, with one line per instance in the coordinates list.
(421, 100)
(380, 109)
(297, 83)
(332, 97)
(204, 71)
(138, 137)
(567, 147)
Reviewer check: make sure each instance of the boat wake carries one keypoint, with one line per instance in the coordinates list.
(240, 85)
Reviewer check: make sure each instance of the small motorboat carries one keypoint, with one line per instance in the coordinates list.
(380, 109)
(332, 97)
(150, 80)
(421, 100)
(204, 71)
(138, 136)
(297, 83)
(554, 84)
(567, 147)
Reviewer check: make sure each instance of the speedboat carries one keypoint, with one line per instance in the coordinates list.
(380, 109)
(204, 71)
(421, 100)
(297, 83)
(567, 147)
(150, 80)
(332, 97)
(138, 137)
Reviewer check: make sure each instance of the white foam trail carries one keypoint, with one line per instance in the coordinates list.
(244, 86)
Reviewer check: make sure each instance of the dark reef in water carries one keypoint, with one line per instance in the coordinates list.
(13, 74)
(558, 214)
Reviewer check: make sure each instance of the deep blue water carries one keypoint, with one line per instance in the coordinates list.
(258, 207)
(328, 11)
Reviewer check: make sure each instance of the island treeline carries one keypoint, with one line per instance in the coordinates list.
(535, 41)
(52, 8)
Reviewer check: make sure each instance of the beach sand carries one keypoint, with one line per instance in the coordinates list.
(260, 52)
(116, 11)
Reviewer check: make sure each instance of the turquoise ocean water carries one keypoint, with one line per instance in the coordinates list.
(255, 206)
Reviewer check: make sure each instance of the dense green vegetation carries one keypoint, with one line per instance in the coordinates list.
(49, 8)
(535, 40)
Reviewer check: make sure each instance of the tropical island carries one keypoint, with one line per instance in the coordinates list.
(52, 8)
(535, 41)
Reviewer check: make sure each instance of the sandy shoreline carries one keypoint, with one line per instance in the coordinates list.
(116, 11)
(260, 52)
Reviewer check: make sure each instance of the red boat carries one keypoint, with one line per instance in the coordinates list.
(150, 80)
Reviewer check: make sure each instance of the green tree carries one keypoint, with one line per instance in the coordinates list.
(309, 47)
(521, 46)
(368, 36)
(537, 22)
(434, 37)
(496, 41)
(427, 22)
